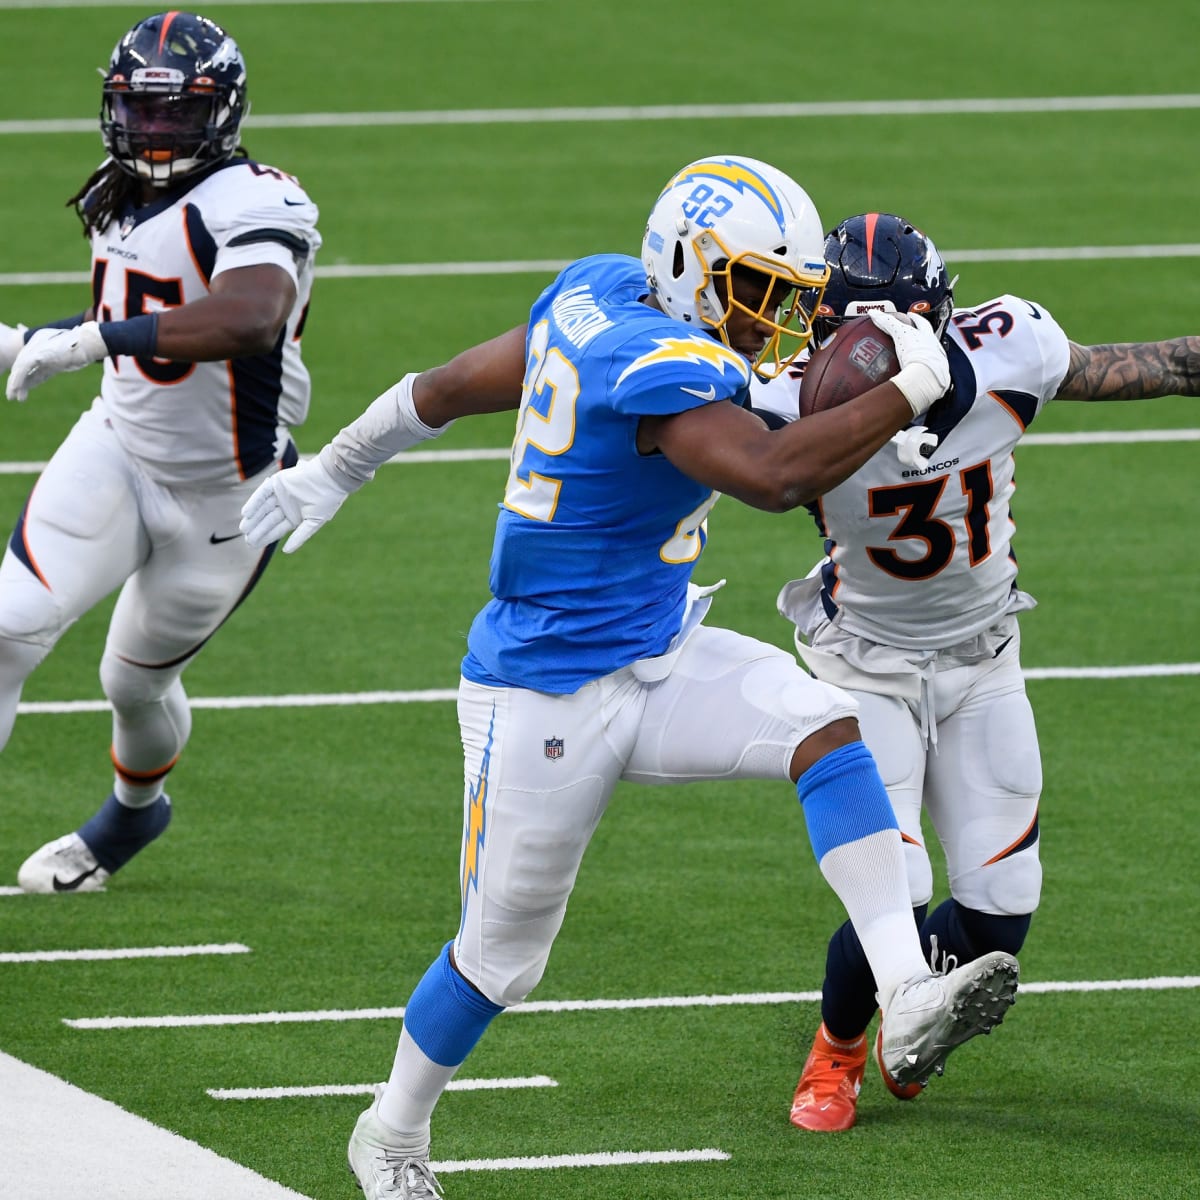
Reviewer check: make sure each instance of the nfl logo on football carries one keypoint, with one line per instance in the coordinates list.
(553, 748)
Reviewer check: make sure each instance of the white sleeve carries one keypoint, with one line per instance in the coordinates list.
(780, 396)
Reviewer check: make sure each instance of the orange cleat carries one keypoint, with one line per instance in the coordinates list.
(902, 1091)
(826, 1097)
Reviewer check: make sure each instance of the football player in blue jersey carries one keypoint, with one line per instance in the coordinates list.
(914, 612)
(591, 664)
(202, 265)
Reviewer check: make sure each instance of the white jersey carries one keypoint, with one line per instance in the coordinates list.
(920, 557)
(214, 421)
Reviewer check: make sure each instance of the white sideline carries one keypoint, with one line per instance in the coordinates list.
(1157, 983)
(55, 1136)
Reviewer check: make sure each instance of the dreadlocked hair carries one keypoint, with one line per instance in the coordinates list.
(106, 192)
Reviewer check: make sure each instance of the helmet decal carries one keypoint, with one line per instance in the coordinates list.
(174, 98)
(880, 261)
(739, 176)
(717, 220)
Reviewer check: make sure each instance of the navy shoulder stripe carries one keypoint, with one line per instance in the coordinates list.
(957, 402)
(293, 241)
(204, 247)
(1022, 405)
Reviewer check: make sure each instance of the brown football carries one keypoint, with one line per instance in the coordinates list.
(857, 358)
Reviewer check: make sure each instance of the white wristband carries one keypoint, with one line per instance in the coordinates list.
(920, 386)
(388, 426)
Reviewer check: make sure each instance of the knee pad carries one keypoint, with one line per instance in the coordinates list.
(30, 612)
(1010, 887)
(128, 685)
(920, 873)
(513, 968)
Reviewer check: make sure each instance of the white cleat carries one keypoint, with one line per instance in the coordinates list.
(383, 1172)
(928, 1017)
(65, 865)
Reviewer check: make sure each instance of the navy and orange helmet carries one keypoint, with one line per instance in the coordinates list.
(174, 98)
(881, 262)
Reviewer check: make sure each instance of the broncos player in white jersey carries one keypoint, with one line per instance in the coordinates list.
(913, 611)
(591, 663)
(202, 264)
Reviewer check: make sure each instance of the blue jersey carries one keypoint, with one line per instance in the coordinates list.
(595, 543)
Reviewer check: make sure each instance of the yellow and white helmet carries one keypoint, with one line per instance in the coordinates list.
(728, 212)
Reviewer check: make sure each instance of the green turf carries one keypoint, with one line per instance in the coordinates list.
(326, 839)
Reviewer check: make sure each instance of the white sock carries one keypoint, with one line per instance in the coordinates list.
(869, 879)
(408, 1100)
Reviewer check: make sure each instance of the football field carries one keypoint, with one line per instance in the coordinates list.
(241, 984)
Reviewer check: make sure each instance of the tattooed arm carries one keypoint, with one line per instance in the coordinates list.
(1133, 370)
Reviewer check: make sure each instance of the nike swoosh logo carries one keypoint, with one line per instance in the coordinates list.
(711, 394)
(72, 884)
(216, 541)
(292, 203)
(1033, 312)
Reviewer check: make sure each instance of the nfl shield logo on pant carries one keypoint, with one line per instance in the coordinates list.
(554, 748)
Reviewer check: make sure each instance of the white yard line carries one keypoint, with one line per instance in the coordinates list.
(44, 956)
(51, 1131)
(551, 266)
(1106, 437)
(549, 1162)
(368, 1089)
(1153, 984)
(445, 695)
(819, 109)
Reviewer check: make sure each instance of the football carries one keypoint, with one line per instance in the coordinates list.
(857, 358)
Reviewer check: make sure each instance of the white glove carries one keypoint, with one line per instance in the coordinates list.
(924, 375)
(914, 445)
(51, 351)
(12, 342)
(302, 498)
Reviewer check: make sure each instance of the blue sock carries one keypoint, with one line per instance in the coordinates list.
(116, 833)
(446, 1016)
(843, 799)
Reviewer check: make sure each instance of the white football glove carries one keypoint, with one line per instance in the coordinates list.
(914, 446)
(12, 342)
(924, 375)
(51, 351)
(301, 498)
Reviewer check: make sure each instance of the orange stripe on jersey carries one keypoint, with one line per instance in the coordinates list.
(140, 777)
(1008, 408)
(872, 218)
(30, 561)
(162, 33)
(233, 421)
(1013, 845)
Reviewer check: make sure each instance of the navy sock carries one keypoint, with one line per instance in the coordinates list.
(848, 993)
(116, 833)
(965, 933)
